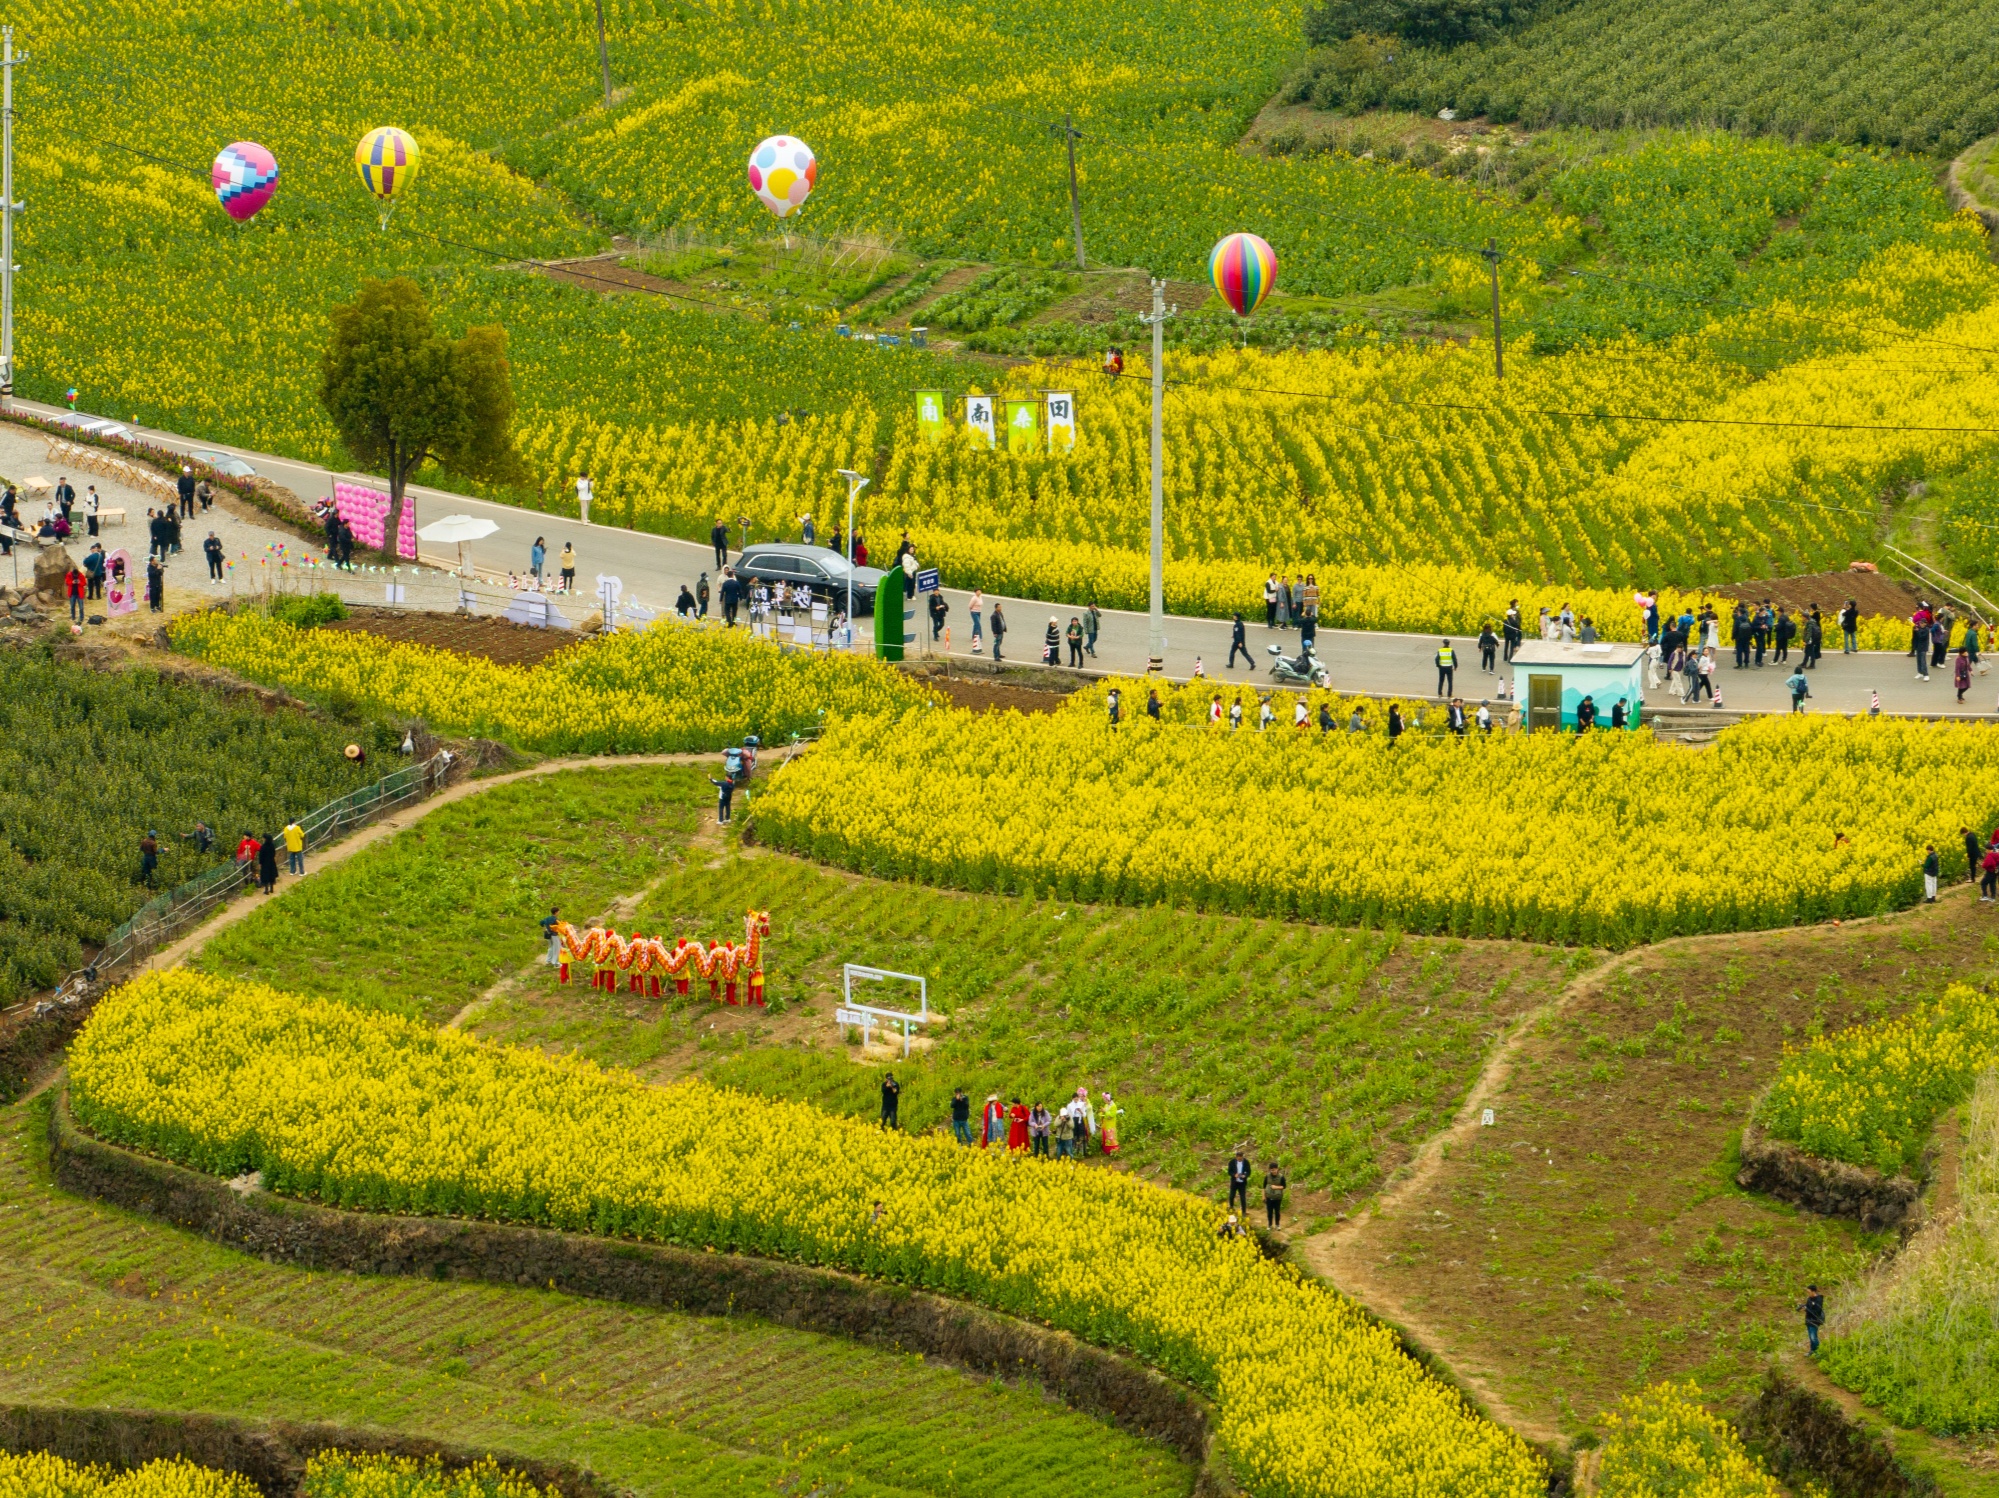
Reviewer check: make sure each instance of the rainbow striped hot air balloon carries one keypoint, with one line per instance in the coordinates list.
(244, 175)
(1243, 268)
(387, 160)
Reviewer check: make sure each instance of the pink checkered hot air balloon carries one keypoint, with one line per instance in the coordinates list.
(245, 177)
(782, 171)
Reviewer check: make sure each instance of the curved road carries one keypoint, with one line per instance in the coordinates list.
(654, 567)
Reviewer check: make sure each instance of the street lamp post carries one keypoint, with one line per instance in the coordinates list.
(856, 482)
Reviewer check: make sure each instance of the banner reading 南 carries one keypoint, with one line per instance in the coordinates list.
(1023, 430)
(979, 416)
(930, 414)
(1061, 420)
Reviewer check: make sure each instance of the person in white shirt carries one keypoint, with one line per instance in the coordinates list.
(1484, 719)
(1265, 716)
(584, 495)
(90, 508)
(977, 607)
(1301, 716)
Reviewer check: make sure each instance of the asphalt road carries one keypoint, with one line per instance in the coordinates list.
(652, 569)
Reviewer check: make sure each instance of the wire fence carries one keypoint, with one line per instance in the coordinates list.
(166, 916)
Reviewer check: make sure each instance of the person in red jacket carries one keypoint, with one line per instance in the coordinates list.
(1016, 1134)
(75, 584)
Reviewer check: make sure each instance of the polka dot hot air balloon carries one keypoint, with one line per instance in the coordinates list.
(387, 160)
(245, 176)
(1243, 268)
(783, 171)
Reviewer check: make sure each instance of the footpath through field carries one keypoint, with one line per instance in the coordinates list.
(653, 568)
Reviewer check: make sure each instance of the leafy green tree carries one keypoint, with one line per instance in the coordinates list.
(1430, 23)
(402, 394)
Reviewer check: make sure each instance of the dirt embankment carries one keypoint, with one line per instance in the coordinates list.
(490, 639)
(1874, 592)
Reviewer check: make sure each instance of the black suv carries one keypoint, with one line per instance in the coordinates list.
(820, 568)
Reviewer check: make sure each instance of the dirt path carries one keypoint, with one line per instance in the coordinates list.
(1343, 1254)
(346, 848)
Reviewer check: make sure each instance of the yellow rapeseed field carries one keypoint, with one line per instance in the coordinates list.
(374, 1112)
(1610, 839)
(666, 689)
(38, 1474)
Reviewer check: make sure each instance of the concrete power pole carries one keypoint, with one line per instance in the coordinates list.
(1070, 136)
(603, 55)
(8, 209)
(1160, 312)
(1492, 258)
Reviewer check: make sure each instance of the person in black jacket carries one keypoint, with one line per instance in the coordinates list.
(212, 549)
(1394, 721)
(156, 586)
(267, 864)
(1786, 630)
(1814, 1309)
(1488, 647)
(1586, 715)
(999, 629)
(961, 1116)
(1239, 1179)
(938, 609)
(1849, 629)
(891, 1100)
(1239, 641)
(720, 537)
(732, 596)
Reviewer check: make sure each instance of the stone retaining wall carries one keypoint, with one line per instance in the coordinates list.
(1831, 1188)
(272, 1454)
(1103, 1384)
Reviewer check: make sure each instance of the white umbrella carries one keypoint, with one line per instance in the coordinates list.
(458, 528)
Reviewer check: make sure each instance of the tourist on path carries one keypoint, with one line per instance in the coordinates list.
(1075, 634)
(1960, 675)
(1274, 1183)
(1488, 647)
(719, 538)
(999, 630)
(554, 937)
(976, 607)
(1239, 641)
(1270, 602)
(1511, 629)
(1040, 1123)
(1016, 1126)
(961, 1116)
(1932, 868)
(1239, 1179)
(1814, 1309)
(267, 864)
(1051, 643)
(1093, 624)
(891, 1100)
(568, 561)
(1801, 688)
(294, 848)
(725, 791)
(1110, 1113)
(537, 558)
(1849, 629)
(992, 1122)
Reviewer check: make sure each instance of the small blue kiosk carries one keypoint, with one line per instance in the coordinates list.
(1551, 678)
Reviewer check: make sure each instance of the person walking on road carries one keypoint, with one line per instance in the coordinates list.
(1960, 674)
(1269, 600)
(1447, 669)
(732, 596)
(1511, 628)
(976, 607)
(1284, 603)
(999, 630)
(719, 539)
(1075, 635)
(267, 865)
(1488, 647)
(568, 560)
(1849, 629)
(537, 558)
(1093, 623)
(1239, 641)
(212, 549)
(1239, 1179)
(1801, 688)
(1814, 1309)
(1932, 870)
(1051, 643)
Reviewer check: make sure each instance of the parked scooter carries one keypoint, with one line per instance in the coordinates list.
(1306, 670)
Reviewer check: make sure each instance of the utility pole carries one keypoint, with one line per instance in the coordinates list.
(1160, 312)
(603, 54)
(1492, 258)
(1070, 136)
(8, 209)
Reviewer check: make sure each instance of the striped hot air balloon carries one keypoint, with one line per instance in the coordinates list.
(387, 160)
(1243, 268)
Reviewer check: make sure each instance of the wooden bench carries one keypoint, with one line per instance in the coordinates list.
(106, 514)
